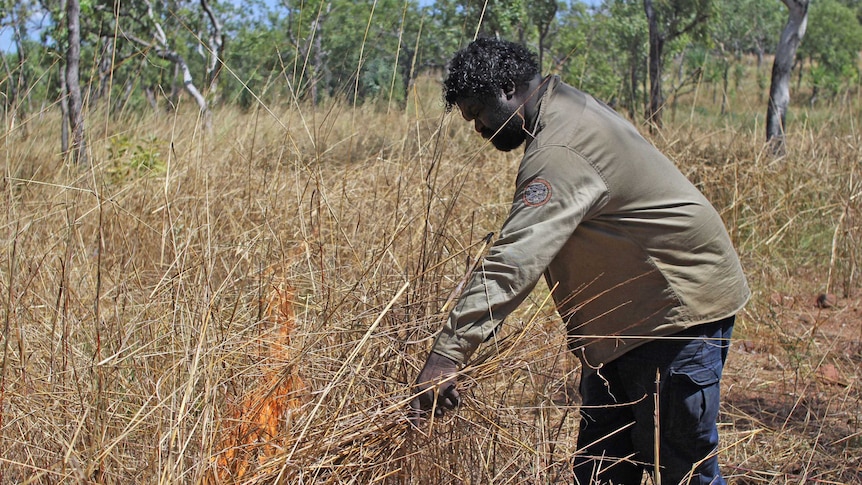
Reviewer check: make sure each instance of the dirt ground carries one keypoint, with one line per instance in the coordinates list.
(792, 410)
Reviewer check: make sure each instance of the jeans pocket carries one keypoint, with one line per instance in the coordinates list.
(690, 401)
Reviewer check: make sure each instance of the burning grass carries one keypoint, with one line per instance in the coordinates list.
(256, 426)
(253, 307)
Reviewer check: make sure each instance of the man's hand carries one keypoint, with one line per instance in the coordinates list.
(436, 381)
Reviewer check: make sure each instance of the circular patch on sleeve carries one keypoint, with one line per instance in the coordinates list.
(537, 193)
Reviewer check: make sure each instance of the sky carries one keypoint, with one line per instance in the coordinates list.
(7, 44)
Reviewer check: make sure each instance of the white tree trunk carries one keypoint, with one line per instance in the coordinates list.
(785, 55)
(78, 149)
(216, 51)
(165, 52)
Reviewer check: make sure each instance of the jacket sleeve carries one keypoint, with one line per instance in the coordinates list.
(556, 190)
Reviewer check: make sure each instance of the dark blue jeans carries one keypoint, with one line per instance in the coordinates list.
(616, 439)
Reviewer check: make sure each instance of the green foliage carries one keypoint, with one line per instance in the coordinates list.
(28, 80)
(855, 6)
(602, 51)
(314, 50)
(131, 158)
(376, 81)
(499, 18)
(579, 59)
(445, 29)
(366, 50)
(451, 24)
(832, 43)
(367, 40)
(261, 53)
(746, 26)
(738, 28)
(685, 18)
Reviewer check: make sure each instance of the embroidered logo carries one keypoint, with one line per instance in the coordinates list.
(537, 193)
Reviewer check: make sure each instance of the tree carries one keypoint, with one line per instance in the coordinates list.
(15, 16)
(214, 51)
(601, 49)
(164, 35)
(785, 55)
(263, 47)
(457, 22)
(542, 14)
(445, 28)
(350, 49)
(749, 25)
(630, 33)
(78, 149)
(741, 27)
(832, 44)
(667, 21)
(500, 18)
(162, 48)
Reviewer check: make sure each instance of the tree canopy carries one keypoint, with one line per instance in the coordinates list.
(145, 55)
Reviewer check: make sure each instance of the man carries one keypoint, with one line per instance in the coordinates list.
(642, 269)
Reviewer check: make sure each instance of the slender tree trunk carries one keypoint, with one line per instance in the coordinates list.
(317, 62)
(105, 68)
(150, 94)
(541, 46)
(18, 102)
(635, 61)
(644, 91)
(64, 111)
(174, 95)
(9, 95)
(78, 149)
(544, 29)
(656, 46)
(542, 14)
(785, 55)
(216, 51)
(815, 96)
(11, 103)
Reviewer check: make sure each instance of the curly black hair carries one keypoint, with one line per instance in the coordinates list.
(485, 66)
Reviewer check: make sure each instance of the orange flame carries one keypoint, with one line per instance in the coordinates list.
(262, 417)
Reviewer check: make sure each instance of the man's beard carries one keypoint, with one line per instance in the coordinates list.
(511, 135)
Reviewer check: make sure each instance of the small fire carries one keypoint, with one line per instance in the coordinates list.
(260, 420)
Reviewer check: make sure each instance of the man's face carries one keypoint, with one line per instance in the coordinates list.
(495, 118)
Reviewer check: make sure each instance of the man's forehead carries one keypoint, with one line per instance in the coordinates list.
(470, 104)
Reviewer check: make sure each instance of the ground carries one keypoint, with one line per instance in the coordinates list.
(792, 395)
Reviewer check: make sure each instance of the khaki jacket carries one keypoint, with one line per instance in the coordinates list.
(631, 248)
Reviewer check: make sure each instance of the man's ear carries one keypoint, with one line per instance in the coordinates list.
(508, 88)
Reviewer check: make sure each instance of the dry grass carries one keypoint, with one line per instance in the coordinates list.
(138, 328)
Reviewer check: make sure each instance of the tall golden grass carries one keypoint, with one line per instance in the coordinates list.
(141, 338)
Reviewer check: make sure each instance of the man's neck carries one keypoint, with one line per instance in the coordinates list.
(533, 96)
